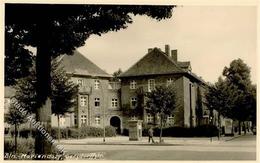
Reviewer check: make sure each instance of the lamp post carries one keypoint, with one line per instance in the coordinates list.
(104, 129)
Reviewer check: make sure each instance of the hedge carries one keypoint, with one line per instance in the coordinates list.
(199, 131)
(83, 132)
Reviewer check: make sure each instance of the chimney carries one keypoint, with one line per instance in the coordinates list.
(167, 50)
(174, 55)
(149, 50)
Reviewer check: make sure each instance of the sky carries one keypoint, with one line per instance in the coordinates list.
(210, 37)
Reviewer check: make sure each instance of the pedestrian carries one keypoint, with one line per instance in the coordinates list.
(150, 134)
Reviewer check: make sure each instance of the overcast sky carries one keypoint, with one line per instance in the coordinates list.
(208, 36)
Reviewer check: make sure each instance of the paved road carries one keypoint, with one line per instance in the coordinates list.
(241, 148)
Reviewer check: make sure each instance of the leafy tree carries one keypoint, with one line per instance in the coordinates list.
(138, 110)
(233, 96)
(116, 74)
(63, 92)
(252, 104)
(162, 100)
(220, 97)
(60, 29)
(15, 118)
(238, 78)
(15, 66)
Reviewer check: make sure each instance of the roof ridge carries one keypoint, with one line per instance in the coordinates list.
(77, 61)
(161, 53)
(122, 74)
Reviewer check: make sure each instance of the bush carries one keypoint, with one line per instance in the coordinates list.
(110, 131)
(89, 131)
(26, 132)
(63, 132)
(83, 132)
(25, 146)
(199, 131)
(73, 132)
(125, 132)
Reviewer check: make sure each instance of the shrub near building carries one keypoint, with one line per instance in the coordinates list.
(74, 133)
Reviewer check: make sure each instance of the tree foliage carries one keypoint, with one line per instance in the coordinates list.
(116, 75)
(234, 96)
(63, 96)
(161, 101)
(16, 118)
(68, 26)
(18, 59)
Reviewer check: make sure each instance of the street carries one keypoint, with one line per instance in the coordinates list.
(240, 148)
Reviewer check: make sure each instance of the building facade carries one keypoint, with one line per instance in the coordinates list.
(103, 101)
(162, 68)
(98, 97)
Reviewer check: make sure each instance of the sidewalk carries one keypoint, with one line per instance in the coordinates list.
(124, 140)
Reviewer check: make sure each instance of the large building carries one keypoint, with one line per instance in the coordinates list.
(103, 101)
(98, 98)
(163, 68)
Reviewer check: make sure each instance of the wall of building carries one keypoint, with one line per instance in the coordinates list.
(127, 94)
(104, 111)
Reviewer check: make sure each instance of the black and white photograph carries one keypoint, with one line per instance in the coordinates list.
(130, 82)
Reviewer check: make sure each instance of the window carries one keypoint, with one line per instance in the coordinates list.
(151, 85)
(133, 117)
(114, 103)
(170, 119)
(83, 100)
(75, 120)
(96, 84)
(149, 118)
(83, 119)
(133, 84)
(133, 102)
(97, 102)
(80, 82)
(97, 120)
(169, 81)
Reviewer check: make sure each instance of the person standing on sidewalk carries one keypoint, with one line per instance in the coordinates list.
(150, 134)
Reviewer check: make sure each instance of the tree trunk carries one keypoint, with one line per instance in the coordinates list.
(219, 126)
(239, 127)
(43, 111)
(58, 128)
(161, 121)
(244, 127)
(15, 138)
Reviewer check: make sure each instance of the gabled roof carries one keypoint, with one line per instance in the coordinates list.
(9, 92)
(77, 64)
(154, 63)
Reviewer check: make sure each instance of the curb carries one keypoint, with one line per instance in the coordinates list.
(234, 137)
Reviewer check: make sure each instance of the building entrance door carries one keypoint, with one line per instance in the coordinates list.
(116, 122)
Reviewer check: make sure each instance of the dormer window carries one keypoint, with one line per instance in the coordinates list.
(151, 85)
(133, 84)
(96, 84)
(169, 81)
(80, 82)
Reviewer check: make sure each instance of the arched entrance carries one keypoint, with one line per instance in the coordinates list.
(116, 122)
